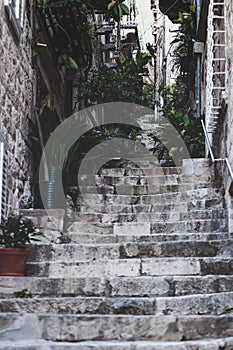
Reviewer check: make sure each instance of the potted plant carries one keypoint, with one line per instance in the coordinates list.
(16, 233)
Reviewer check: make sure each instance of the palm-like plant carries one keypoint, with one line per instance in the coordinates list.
(184, 39)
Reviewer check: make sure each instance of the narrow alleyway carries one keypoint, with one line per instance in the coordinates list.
(142, 258)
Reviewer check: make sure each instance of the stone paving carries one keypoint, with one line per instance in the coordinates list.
(149, 269)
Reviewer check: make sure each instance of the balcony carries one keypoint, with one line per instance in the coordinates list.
(100, 6)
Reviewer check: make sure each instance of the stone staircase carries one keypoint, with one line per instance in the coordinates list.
(146, 263)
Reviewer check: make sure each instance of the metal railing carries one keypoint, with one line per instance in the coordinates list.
(213, 159)
(216, 62)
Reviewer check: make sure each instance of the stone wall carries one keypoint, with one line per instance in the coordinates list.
(229, 74)
(227, 138)
(223, 136)
(15, 105)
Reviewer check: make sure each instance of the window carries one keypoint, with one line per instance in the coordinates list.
(15, 10)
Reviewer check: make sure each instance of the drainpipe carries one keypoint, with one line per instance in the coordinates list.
(198, 72)
(118, 34)
(164, 58)
(198, 87)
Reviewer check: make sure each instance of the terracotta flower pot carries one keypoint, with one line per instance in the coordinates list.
(13, 261)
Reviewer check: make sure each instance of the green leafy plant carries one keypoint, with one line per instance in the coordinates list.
(17, 232)
(227, 310)
(117, 9)
(67, 61)
(42, 3)
(121, 83)
(33, 47)
(73, 30)
(176, 111)
(24, 293)
(184, 40)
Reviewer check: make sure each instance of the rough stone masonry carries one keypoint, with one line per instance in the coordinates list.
(15, 95)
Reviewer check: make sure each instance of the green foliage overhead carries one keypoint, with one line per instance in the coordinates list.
(122, 83)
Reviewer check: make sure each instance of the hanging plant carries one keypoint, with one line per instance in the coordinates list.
(117, 9)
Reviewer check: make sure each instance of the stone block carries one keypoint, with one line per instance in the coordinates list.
(52, 219)
(106, 268)
(136, 229)
(170, 266)
(194, 304)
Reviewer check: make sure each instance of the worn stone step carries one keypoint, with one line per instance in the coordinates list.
(134, 267)
(214, 225)
(142, 171)
(88, 227)
(151, 208)
(95, 252)
(121, 223)
(147, 118)
(150, 216)
(207, 344)
(147, 228)
(97, 180)
(185, 226)
(119, 238)
(144, 189)
(189, 196)
(141, 179)
(113, 327)
(170, 285)
(139, 286)
(80, 305)
(215, 304)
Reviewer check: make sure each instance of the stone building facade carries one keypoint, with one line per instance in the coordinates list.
(228, 120)
(16, 78)
(223, 136)
(215, 32)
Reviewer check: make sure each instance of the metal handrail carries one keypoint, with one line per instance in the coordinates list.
(212, 154)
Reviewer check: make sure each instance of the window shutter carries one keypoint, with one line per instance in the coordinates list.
(15, 10)
(3, 180)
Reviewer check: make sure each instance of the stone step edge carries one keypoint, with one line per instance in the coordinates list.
(149, 235)
(151, 222)
(165, 212)
(214, 191)
(125, 244)
(8, 345)
(143, 259)
(86, 238)
(101, 297)
(159, 317)
(102, 286)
